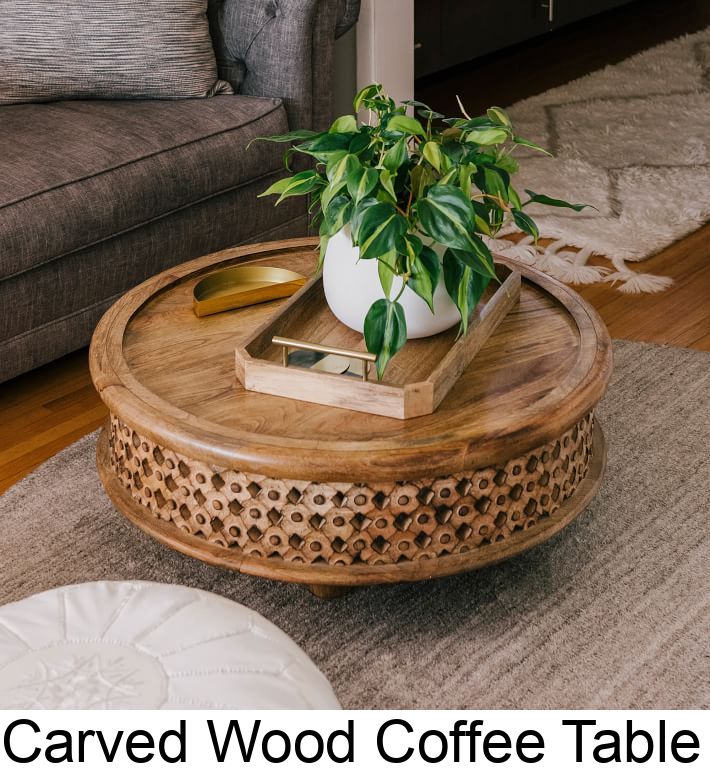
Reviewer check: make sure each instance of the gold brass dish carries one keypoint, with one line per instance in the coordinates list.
(233, 288)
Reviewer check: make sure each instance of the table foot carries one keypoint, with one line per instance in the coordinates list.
(328, 592)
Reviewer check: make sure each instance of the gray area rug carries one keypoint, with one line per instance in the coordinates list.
(627, 139)
(612, 613)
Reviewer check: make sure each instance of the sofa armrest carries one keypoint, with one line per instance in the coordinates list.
(283, 48)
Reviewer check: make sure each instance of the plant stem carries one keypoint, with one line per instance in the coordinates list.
(496, 198)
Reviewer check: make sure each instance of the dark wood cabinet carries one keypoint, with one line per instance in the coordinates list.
(566, 11)
(448, 32)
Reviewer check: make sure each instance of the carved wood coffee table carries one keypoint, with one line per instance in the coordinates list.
(330, 498)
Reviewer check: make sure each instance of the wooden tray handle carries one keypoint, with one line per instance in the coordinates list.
(367, 358)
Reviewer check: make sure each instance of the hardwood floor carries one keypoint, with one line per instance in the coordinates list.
(44, 411)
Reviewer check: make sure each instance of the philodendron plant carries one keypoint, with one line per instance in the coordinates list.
(402, 183)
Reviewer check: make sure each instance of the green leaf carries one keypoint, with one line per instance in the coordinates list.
(431, 152)
(423, 109)
(507, 163)
(385, 270)
(481, 218)
(322, 245)
(277, 187)
(344, 124)
(294, 135)
(337, 213)
(476, 122)
(422, 177)
(361, 182)
(493, 181)
(300, 184)
(366, 93)
(359, 210)
(487, 136)
(424, 269)
(387, 184)
(527, 225)
(464, 285)
(400, 123)
(535, 197)
(430, 260)
(385, 331)
(360, 141)
(379, 230)
(446, 215)
(530, 145)
(454, 150)
(326, 143)
(339, 166)
(396, 156)
(465, 173)
(477, 157)
(329, 192)
(513, 197)
(483, 254)
(479, 259)
(497, 115)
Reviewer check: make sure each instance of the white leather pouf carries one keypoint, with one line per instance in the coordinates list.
(143, 645)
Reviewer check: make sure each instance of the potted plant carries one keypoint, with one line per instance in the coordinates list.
(404, 205)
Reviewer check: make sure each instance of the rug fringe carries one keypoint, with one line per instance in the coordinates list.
(635, 284)
(571, 265)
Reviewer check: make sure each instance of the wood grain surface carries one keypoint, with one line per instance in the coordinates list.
(170, 375)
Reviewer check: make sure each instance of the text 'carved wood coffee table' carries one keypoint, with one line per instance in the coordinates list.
(331, 498)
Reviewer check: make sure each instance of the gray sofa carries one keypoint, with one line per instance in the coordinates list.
(96, 196)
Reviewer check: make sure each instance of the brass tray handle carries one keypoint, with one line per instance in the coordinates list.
(367, 358)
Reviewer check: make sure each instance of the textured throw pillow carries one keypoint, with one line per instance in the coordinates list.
(64, 49)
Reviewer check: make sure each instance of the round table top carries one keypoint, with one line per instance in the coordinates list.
(172, 376)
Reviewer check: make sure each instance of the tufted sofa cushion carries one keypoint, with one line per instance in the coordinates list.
(76, 173)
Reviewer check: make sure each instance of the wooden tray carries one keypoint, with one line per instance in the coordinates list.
(416, 380)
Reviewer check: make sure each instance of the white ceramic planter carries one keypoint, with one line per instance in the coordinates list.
(352, 285)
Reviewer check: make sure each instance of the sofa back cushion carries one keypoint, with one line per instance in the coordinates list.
(110, 49)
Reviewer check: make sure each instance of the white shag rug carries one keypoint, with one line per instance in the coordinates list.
(632, 139)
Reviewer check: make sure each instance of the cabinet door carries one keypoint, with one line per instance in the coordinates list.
(566, 11)
(427, 37)
(472, 28)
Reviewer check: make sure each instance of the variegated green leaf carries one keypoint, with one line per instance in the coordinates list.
(361, 182)
(432, 154)
(344, 124)
(386, 270)
(379, 230)
(530, 145)
(498, 115)
(446, 215)
(385, 331)
(396, 156)
(546, 200)
(525, 223)
(464, 285)
(487, 136)
(401, 123)
(338, 213)
(387, 184)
